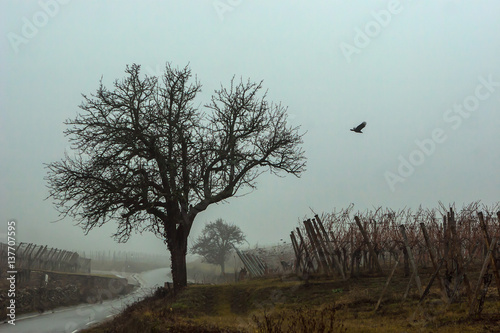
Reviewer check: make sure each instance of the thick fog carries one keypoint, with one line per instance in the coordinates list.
(424, 75)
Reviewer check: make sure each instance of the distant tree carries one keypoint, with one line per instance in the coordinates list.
(147, 158)
(216, 242)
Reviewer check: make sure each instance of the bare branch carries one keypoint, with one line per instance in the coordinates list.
(146, 157)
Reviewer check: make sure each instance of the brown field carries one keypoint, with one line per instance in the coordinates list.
(288, 304)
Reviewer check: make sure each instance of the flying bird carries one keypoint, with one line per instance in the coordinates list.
(359, 127)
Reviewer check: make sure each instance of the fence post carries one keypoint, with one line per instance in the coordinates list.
(307, 258)
(412, 260)
(367, 241)
(320, 256)
(472, 309)
(433, 260)
(387, 283)
(426, 291)
(298, 252)
(458, 252)
(326, 249)
(336, 261)
(487, 240)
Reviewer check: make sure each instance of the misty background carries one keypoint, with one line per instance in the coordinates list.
(401, 66)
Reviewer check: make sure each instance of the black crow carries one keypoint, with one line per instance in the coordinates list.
(359, 128)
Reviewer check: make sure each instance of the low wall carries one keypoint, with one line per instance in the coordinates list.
(41, 291)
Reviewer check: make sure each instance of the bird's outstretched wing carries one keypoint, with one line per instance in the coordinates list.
(359, 127)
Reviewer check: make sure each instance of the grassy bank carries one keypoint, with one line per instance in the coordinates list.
(292, 305)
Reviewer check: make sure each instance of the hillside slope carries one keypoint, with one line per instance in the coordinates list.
(291, 305)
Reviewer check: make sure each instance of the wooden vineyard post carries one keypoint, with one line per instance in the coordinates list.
(433, 260)
(250, 264)
(327, 238)
(353, 252)
(412, 260)
(375, 236)
(452, 239)
(427, 289)
(298, 252)
(307, 258)
(387, 283)
(258, 263)
(313, 245)
(472, 309)
(36, 259)
(367, 241)
(446, 237)
(408, 286)
(24, 258)
(318, 252)
(328, 253)
(457, 253)
(492, 257)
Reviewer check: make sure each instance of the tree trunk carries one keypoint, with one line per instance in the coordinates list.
(179, 272)
(222, 268)
(178, 250)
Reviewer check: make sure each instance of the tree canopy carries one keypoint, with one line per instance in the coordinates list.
(216, 242)
(144, 155)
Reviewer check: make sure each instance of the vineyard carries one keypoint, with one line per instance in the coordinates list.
(38, 257)
(424, 270)
(125, 261)
(453, 245)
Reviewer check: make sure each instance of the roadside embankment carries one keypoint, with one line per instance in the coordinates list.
(39, 291)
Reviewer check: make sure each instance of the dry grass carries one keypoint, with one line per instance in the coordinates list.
(291, 305)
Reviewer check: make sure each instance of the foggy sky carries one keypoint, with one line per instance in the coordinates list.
(424, 75)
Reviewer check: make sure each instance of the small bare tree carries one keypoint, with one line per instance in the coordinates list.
(146, 157)
(216, 242)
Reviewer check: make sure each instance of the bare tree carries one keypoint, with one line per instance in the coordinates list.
(216, 242)
(146, 157)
